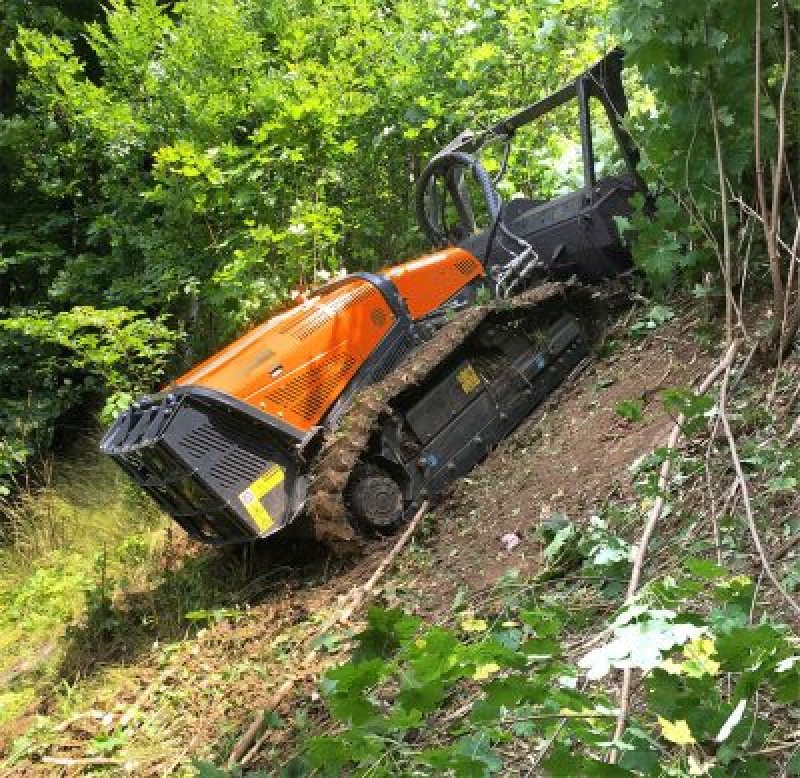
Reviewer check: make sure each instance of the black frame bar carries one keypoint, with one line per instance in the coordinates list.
(603, 81)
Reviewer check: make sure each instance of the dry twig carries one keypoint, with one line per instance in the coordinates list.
(251, 741)
(652, 519)
(66, 761)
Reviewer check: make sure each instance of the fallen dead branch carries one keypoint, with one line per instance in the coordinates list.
(251, 741)
(66, 761)
(96, 715)
(655, 514)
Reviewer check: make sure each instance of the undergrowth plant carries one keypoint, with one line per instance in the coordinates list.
(524, 680)
(485, 695)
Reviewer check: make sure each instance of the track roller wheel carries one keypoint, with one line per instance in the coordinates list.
(375, 500)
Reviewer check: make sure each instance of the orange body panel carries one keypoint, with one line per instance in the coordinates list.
(428, 282)
(295, 365)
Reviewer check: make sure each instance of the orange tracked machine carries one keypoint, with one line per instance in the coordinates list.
(458, 346)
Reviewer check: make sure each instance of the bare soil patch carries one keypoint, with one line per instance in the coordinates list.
(569, 458)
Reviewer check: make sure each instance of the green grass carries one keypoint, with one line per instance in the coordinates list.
(57, 542)
(85, 502)
(94, 594)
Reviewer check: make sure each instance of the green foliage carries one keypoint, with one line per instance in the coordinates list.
(47, 598)
(392, 702)
(49, 362)
(696, 409)
(199, 160)
(697, 62)
(595, 549)
(656, 315)
(630, 410)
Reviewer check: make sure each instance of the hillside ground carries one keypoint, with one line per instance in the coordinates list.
(128, 649)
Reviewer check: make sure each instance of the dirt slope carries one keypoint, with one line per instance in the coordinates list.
(569, 458)
(182, 695)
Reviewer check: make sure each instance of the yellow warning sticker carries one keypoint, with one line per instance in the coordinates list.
(252, 496)
(468, 379)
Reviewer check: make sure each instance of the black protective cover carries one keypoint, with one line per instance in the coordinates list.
(225, 473)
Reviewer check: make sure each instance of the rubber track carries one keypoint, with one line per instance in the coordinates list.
(345, 445)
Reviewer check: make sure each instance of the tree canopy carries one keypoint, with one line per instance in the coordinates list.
(170, 171)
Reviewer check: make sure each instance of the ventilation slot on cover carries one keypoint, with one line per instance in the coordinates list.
(202, 439)
(466, 266)
(308, 393)
(318, 315)
(311, 322)
(360, 292)
(237, 466)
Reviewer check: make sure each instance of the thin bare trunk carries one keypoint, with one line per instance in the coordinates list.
(766, 215)
(787, 314)
(726, 232)
(778, 174)
(624, 697)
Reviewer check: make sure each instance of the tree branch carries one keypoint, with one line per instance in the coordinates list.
(748, 508)
(652, 519)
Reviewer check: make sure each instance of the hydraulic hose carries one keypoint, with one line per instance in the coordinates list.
(439, 166)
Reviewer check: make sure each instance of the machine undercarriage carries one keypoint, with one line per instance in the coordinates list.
(432, 420)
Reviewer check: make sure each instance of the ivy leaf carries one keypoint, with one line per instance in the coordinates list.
(541, 648)
(344, 687)
(333, 753)
(452, 760)
(724, 620)
(786, 483)
(640, 751)
(478, 747)
(387, 630)
(696, 408)
(698, 653)
(544, 622)
(422, 697)
(510, 691)
(563, 546)
(641, 636)
(677, 732)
